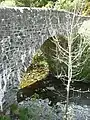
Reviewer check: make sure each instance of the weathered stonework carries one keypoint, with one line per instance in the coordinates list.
(22, 32)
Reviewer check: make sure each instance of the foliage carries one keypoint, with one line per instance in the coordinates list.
(4, 117)
(68, 4)
(32, 3)
(74, 55)
(1, 0)
(84, 31)
(48, 49)
(55, 66)
(34, 96)
(27, 3)
(39, 59)
(36, 72)
(14, 109)
(86, 10)
(87, 0)
(50, 4)
(37, 110)
(57, 4)
(9, 3)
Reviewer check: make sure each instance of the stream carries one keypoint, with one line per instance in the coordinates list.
(55, 91)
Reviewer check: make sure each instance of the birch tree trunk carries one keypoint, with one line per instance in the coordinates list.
(71, 55)
(69, 76)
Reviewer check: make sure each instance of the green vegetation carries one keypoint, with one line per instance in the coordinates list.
(68, 4)
(34, 109)
(32, 3)
(84, 32)
(39, 109)
(4, 117)
(86, 10)
(38, 70)
(44, 61)
(27, 3)
(44, 64)
(49, 51)
(57, 4)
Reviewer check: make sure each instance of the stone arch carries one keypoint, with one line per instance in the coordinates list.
(22, 32)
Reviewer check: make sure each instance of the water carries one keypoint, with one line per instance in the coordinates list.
(55, 91)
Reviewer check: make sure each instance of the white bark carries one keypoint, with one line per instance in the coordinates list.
(72, 55)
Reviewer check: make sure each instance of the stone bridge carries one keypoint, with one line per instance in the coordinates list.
(22, 32)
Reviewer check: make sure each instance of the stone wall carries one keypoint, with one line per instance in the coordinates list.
(22, 32)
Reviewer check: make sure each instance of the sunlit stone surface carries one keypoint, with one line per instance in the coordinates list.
(22, 32)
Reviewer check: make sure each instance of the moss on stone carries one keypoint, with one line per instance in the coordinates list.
(37, 71)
